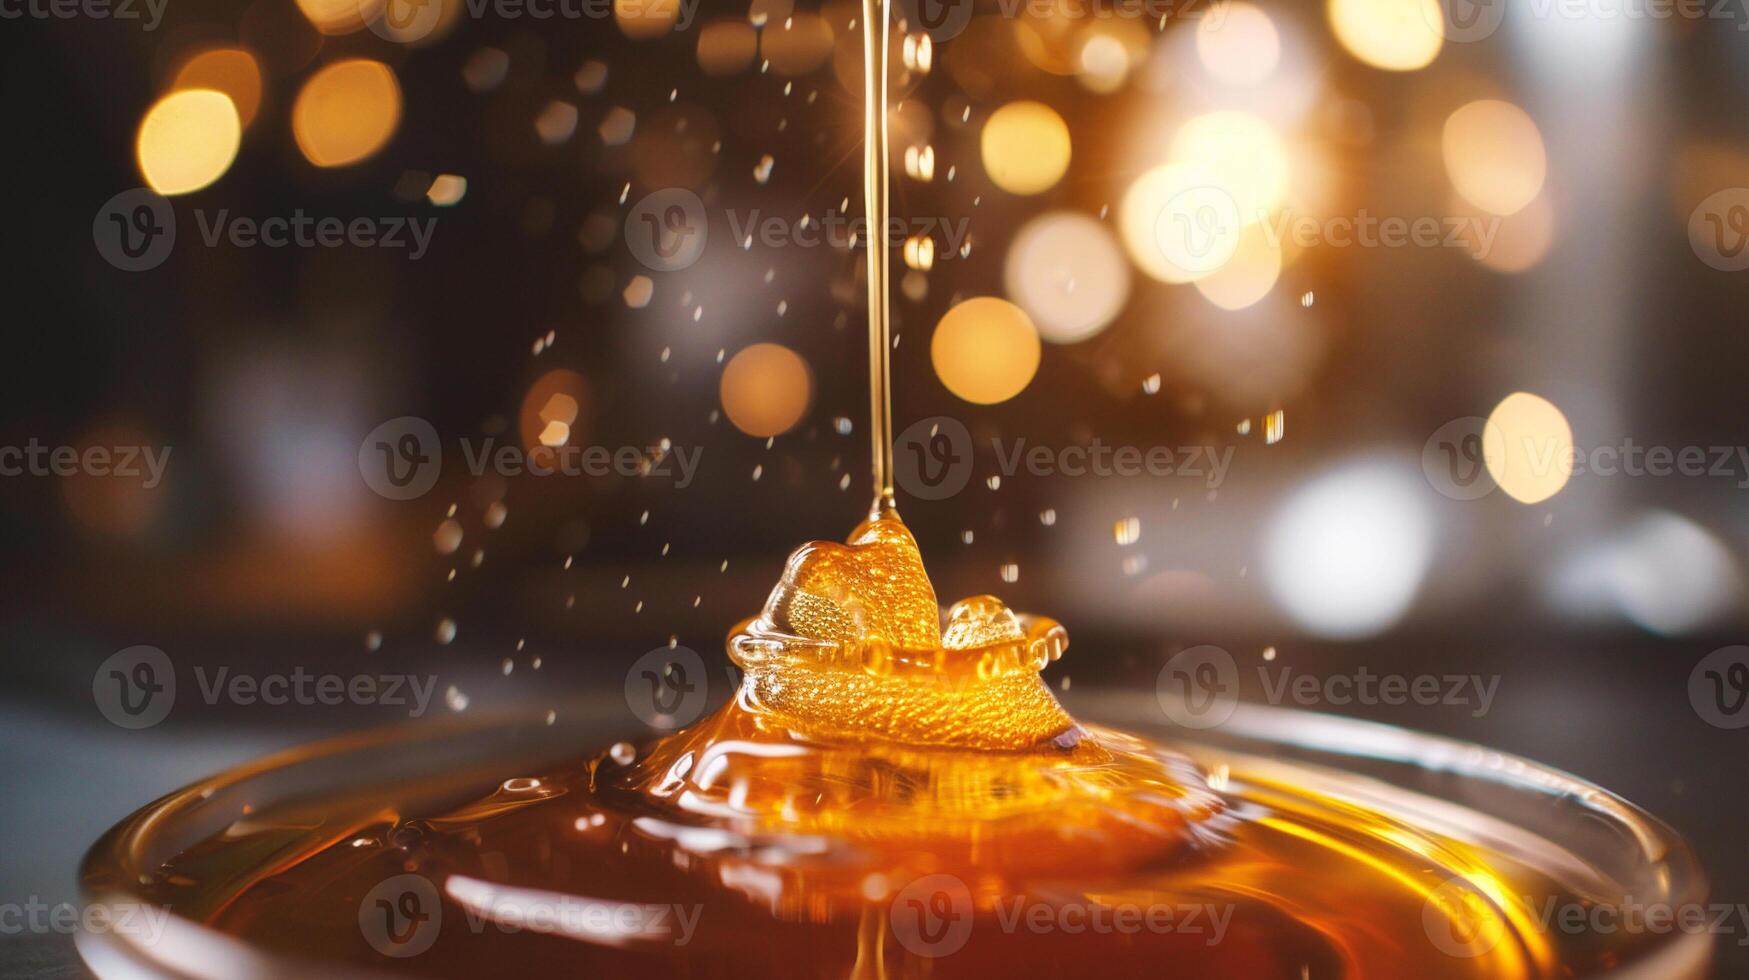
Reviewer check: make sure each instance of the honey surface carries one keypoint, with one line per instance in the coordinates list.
(893, 793)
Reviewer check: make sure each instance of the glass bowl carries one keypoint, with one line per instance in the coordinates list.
(1563, 826)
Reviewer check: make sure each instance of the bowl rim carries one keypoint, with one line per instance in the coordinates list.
(113, 859)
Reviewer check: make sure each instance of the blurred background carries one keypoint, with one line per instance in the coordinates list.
(1436, 311)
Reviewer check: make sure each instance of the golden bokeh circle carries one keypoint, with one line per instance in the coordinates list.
(1396, 35)
(232, 71)
(346, 112)
(766, 389)
(985, 350)
(187, 140)
(1528, 447)
(1025, 147)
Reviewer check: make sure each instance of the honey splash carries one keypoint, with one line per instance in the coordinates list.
(893, 792)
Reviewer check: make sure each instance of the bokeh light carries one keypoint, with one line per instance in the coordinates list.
(340, 16)
(1178, 223)
(1066, 271)
(1103, 62)
(1240, 46)
(985, 350)
(447, 190)
(346, 112)
(1660, 570)
(553, 409)
(1025, 147)
(1248, 275)
(556, 122)
(232, 71)
(1048, 35)
(1494, 155)
(646, 20)
(1243, 152)
(676, 146)
(798, 45)
(766, 389)
(1515, 243)
(114, 504)
(1528, 447)
(187, 140)
(1396, 35)
(1347, 552)
(727, 46)
(1109, 50)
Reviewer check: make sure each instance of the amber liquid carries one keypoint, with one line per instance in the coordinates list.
(894, 792)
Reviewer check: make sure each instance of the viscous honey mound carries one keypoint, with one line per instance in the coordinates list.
(862, 716)
(851, 645)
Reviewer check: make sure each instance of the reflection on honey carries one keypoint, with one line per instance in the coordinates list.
(894, 792)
